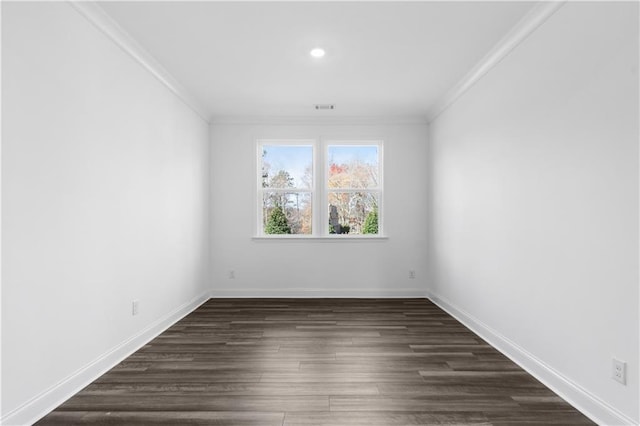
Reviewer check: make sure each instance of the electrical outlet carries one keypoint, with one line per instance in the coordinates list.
(232, 274)
(412, 274)
(134, 307)
(619, 373)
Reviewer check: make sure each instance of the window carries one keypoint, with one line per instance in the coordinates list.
(319, 190)
(286, 187)
(353, 188)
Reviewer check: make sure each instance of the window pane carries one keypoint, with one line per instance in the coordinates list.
(353, 213)
(353, 166)
(286, 166)
(286, 213)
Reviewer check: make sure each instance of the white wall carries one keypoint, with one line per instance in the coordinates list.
(311, 267)
(105, 197)
(534, 235)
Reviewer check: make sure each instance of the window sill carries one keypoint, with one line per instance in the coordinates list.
(328, 238)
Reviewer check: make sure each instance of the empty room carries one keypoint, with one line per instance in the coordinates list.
(320, 213)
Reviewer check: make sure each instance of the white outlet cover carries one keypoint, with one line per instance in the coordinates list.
(619, 371)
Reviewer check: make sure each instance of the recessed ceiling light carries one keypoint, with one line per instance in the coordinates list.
(317, 52)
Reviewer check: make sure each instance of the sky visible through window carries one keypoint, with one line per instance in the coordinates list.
(297, 159)
(294, 159)
(345, 154)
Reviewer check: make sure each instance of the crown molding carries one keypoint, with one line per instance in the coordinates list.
(103, 22)
(525, 27)
(320, 120)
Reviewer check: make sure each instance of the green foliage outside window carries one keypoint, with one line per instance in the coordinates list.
(371, 223)
(277, 222)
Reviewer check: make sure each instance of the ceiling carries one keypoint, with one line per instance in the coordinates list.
(250, 59)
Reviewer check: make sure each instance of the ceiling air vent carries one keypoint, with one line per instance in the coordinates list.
(325, 106)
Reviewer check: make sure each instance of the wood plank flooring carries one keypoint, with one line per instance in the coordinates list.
(316, 362)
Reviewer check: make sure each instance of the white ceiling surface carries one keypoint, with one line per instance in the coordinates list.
(251, 59)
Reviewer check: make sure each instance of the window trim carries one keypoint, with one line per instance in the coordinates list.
(320, 189)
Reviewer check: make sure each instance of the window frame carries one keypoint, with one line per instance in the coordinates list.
(319, 189)
(326, 190)
(261, 191)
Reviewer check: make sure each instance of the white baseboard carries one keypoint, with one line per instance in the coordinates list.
(583, 400)
(40, 405)
(589, 404)
(317, 293)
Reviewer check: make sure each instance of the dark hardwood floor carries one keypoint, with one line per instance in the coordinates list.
(316, 362)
